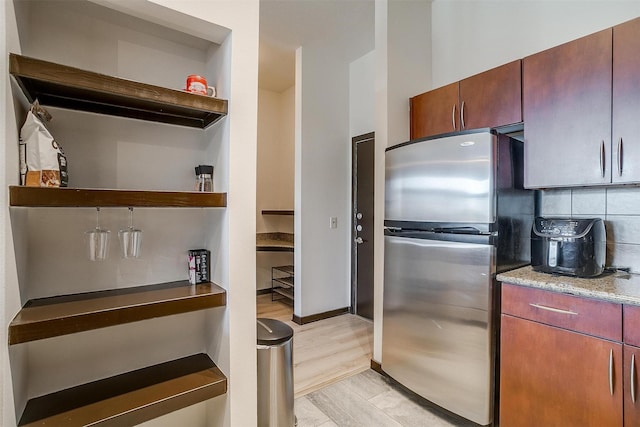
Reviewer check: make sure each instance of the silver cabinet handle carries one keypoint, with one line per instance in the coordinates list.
(359, 240)
(555, 310)
(611, 372)
(620, 157)
(462, 116)
(453, 117)
(633, 377)
(602, 158)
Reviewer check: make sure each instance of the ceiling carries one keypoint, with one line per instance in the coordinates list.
(287, 24)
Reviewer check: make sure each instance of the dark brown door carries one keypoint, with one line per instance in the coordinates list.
(567, 113)
(435, 112)
(554, 377)
(492, 98)
(362, 230)
(626, 102)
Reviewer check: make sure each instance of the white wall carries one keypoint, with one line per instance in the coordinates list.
(275, 174)
(473, 36)
(402, 67)
(153, 55)
(323, 182)
(362, 105)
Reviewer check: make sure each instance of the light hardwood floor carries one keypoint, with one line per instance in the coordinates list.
(333, 384)
(325, 351)
(369, 399)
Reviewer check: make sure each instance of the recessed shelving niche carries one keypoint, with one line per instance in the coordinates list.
(135, 391)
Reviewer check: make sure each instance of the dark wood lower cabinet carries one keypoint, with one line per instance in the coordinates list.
(631, 391)
(555, 377)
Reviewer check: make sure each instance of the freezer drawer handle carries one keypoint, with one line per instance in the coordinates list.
(555, 310)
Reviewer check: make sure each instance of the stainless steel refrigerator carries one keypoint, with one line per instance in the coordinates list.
(455, 215)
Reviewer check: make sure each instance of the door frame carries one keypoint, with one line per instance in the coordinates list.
(354, 198)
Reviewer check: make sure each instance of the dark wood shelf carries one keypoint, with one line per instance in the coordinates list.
(284, 292)
(274, 242)
(285, 268)
(72, 88)
(274, 246)
(67, 314)
(277, 212)
(131, 398)
(84, 197)
(286, 281)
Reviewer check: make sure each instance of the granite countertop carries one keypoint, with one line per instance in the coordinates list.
(617, 287)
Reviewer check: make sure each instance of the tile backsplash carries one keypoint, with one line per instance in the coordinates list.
(619, 207)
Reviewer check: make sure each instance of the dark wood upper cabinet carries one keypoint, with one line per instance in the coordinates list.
(489, 99)
(567, 113)
(492, 98)
(626, 102)
(435, 112)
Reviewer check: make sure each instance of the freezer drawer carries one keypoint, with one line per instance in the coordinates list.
(437, 322)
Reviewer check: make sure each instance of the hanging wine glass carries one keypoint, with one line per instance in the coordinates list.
(97, 241)
(130, 239)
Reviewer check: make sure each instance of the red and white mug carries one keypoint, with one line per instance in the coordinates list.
(198, 84)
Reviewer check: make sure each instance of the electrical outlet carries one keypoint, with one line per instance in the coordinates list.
(333, 222)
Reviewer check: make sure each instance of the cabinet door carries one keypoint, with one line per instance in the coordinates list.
(554, 377)
(626, 102)
(631, 391)
(435, 112)
(631, 327)
(492, 98)
(567, 113)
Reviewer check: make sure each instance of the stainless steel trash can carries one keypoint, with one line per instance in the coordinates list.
(275, 374)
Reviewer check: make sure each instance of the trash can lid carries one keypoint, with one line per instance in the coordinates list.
(273, 332)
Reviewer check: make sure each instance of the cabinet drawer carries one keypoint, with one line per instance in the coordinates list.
(593, 317)
(631, 325)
